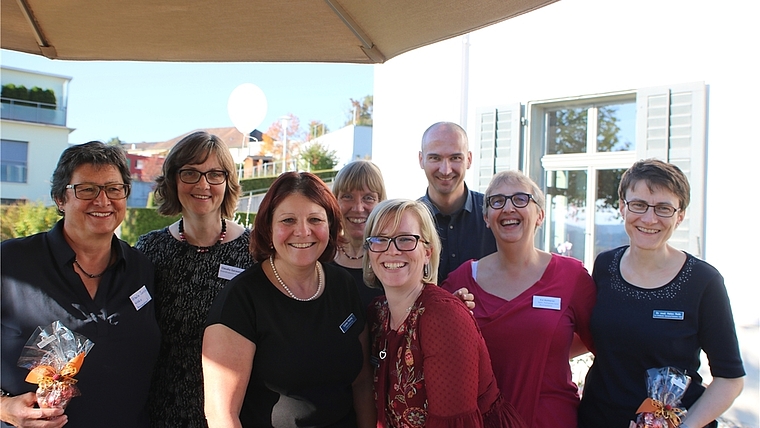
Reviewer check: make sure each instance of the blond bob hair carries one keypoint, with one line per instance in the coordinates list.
(357, 175)
(387, 215)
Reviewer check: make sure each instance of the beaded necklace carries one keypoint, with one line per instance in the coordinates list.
(343, 250)
(201, 249)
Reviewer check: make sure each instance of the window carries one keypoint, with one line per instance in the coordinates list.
(577, 149)
(13, 156)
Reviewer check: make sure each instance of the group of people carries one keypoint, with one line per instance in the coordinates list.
(343, 308)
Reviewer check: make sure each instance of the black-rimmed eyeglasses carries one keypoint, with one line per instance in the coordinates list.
(89, 191)
(381, 244)
(661, 210)
(519, 200)
(192, 176)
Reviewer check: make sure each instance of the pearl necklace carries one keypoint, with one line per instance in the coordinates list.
(320, 281)
(181, 230)
(343, 250)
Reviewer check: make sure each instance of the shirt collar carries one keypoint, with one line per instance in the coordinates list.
(469, 203)
(64, 255)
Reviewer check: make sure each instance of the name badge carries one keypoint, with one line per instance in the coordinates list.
(229, 272)
(140, 298)
(345, 325)
(546, 302)
(667, 315)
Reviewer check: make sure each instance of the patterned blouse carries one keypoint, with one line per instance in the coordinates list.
(434, 370)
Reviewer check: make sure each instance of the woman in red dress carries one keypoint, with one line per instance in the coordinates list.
(431, 364)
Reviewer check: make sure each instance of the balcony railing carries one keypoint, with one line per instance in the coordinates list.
(30, 111)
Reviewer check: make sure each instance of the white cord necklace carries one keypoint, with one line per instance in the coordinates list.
(320, 281)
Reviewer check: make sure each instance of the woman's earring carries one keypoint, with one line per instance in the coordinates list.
(426, 270)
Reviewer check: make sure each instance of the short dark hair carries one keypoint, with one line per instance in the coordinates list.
(288, 183)
(92, 153)
(196, 148)
(657, 175)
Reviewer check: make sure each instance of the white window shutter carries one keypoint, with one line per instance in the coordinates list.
(499, 142)
(671, 126)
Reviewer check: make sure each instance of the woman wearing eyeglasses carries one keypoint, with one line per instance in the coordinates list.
(658, 306)
(431, 365)
(533, 307)
(194, 258)
(79, 273)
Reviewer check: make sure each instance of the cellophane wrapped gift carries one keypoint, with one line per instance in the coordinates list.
(54, 355)
(666, 387)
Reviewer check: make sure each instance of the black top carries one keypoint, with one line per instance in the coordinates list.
(366, 293)
(464, 234)
(636, 329)
(186, 284)
(307, 353)
(39, 286)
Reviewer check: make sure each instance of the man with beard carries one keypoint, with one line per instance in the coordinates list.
(458, 212)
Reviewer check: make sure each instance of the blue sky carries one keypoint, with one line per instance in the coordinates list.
(155, 101)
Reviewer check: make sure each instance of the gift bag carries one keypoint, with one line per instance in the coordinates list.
(665, 387)
(54, 355)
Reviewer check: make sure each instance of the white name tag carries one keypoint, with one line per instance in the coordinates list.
(659, 314)
(229, 272)
(546, 302)
(140, 298)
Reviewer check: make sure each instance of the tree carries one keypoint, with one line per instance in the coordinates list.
(360, 112)
(316, 130)
(317, 157)
(115, 141)
(272, 141)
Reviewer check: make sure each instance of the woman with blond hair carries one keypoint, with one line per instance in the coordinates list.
(431, 364)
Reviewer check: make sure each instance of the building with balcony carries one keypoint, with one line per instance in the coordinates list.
(30, 131)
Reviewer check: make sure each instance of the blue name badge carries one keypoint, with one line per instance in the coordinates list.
(345, 325)
(667, 315)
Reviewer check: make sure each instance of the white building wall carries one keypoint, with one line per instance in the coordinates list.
(580, 47)
(45, 145)
(350, 143)
(45, 142)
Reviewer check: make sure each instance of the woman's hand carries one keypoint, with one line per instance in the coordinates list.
(19, 411)
(466, 297)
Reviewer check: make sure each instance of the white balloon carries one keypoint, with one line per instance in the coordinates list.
(247, 107)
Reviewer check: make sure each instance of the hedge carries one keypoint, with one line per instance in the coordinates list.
(26, 219)
(261, 184)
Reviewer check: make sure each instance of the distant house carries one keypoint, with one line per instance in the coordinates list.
(33, 133)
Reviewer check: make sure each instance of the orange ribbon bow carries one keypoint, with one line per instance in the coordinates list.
(46, 376)
(660, 410)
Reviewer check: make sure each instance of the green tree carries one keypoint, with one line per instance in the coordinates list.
(317, 157)
(115, 141)
(360, 112)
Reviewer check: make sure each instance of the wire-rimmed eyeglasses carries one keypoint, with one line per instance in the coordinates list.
(89, 191)
(380, 244)
(519, 200)
(661, 210)
(192, 176)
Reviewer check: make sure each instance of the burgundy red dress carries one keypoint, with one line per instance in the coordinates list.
(434, 370)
